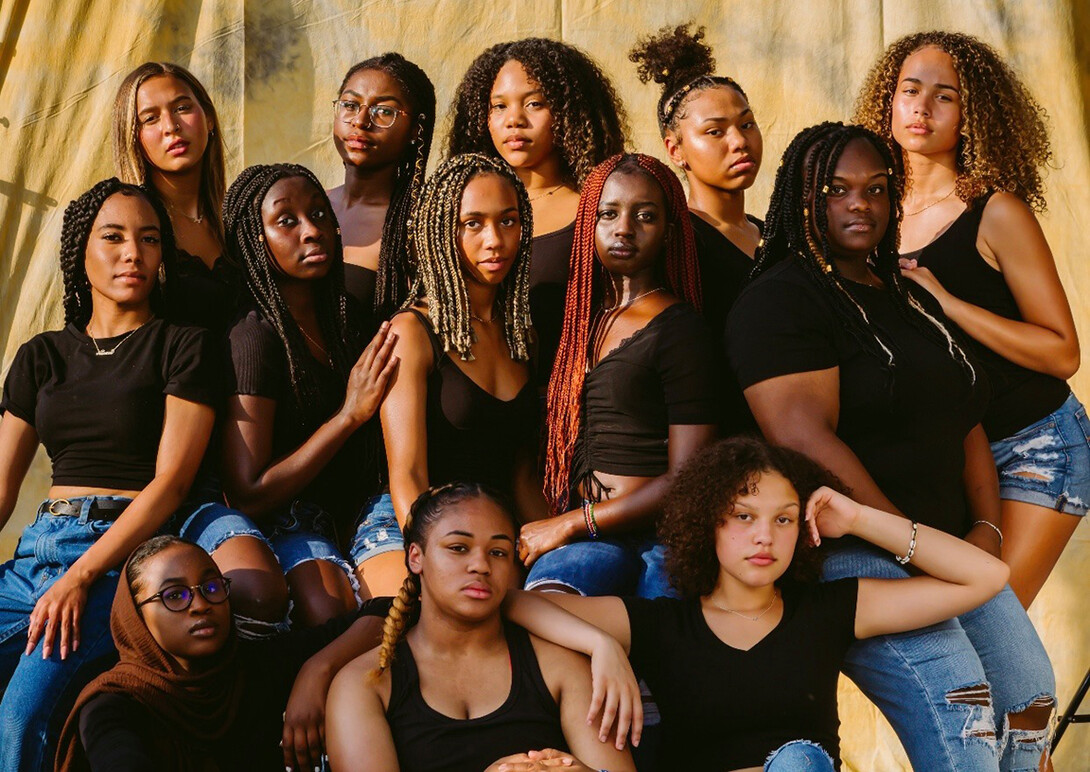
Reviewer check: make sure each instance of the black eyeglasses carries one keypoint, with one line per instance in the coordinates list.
(178, 597)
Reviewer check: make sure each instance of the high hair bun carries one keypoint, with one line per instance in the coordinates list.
(672, 57)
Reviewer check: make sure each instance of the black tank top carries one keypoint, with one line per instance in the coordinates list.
(473, 436)
(359, 282)
(1020, 396)
(549, 259)
(428, 741)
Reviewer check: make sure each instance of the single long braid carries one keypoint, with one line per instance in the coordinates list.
(79, 216)
(396, 272)
(806, 171)
(423, 514)
(440, 278)
(245, 233)
(584, 297)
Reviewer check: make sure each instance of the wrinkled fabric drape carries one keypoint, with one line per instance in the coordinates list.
(273, 66)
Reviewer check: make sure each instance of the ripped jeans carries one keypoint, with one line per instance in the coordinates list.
(933, 684)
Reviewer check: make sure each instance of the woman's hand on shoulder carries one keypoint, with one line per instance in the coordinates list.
(371, 377)
(913, 271)
(830, 514)
(616, 693)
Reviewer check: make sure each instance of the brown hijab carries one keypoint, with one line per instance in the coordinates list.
(192, 707)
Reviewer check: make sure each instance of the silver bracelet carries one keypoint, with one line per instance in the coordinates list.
(993, 526)
(904, 559)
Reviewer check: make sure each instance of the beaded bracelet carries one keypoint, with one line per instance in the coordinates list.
(588, 518)
(904, 559)
(993, 526)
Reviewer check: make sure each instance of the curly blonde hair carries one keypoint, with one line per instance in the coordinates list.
(998, 113)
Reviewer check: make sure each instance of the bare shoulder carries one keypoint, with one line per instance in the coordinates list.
(357, 680)
(1005, 212)
(413, 342)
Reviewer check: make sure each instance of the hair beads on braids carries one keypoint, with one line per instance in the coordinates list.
(584, 298)
(440, 278)
(425, 511)
(79, 216)
(588, 119)
(805, 173)
(682, 64)
(245, 233)
(395, 271)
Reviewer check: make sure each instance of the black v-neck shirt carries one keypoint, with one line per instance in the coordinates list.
(724, 708)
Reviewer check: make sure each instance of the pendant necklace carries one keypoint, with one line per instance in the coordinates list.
(109, 352)
(775, 595)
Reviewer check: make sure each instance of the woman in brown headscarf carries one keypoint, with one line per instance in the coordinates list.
(187, 694)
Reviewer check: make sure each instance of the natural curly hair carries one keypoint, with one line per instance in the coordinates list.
(999, 114)
(425, 512)
(682, 63)
(589, 123)
(703, 495)
(79, 216)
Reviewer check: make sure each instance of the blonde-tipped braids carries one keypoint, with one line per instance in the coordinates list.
(423, 514)
(434, 240)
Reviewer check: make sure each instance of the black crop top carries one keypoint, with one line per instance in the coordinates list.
(258, 366)
(663, 374)
(549, 260)
(201, 296)
(100, 418)
(429, 741)
(1020, 396)
(908, 429)
(473, 436)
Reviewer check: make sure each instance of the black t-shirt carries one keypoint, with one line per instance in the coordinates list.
(118, 733)
(258, 366)
(662, 375)
(724, 269)
(100, 418)
(1020, 396)
(724, 708)
(429, 741)
(909, 430)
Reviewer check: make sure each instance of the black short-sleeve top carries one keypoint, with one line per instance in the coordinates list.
(258, 366)
(100, 418)
(727, 708)
(907, 428)
(662, 375)
(724, 269)
(1020, 396)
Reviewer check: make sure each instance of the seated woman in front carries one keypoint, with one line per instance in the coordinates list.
(461, 690)
(746, 662)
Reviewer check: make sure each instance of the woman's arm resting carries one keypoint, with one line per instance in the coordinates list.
(358, 738)
(961, 576)
(982, 491)
(18, 441)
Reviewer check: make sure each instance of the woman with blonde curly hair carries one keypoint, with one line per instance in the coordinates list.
(972, 141)
(453, 687)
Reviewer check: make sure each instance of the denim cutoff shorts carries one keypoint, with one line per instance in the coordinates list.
(377, 531)
(629, 564)
(1048, 462)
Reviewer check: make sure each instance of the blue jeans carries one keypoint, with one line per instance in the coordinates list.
(799, 756)
(626, 565)
(928, 682)
(1048, 462)
(34, 688)
(377, 531)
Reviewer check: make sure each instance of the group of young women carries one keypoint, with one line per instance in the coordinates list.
(419, 386)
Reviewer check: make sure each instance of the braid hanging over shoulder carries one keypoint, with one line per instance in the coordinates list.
(793, 232)
(245, 234)
(584, 298)
(440, 277)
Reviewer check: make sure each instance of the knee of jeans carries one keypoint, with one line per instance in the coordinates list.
(1027, 729)
(976, 701)
(797, 756)
(546, 584)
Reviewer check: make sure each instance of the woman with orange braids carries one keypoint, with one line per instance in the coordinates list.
(632, 395)
(453, 687)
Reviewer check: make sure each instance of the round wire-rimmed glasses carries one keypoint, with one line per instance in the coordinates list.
(382, 116)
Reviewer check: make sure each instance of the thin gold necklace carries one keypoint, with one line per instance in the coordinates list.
(546, 195)
(317, 345)
(775, 595)
(195, 220)
(630, 301)
(933, 203)
(101, 352)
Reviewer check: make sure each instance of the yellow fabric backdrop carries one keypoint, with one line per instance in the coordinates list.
(272, 67)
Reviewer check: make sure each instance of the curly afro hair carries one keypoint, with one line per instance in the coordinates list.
(703, 495)
(682, 63)
(998, 114)
(589, 123)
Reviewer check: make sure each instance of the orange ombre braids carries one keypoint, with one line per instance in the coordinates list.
(586, 291)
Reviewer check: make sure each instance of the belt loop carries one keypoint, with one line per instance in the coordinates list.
(85, 504)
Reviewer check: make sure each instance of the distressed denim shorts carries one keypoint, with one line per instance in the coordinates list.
(377, 530)
(1048, 462)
